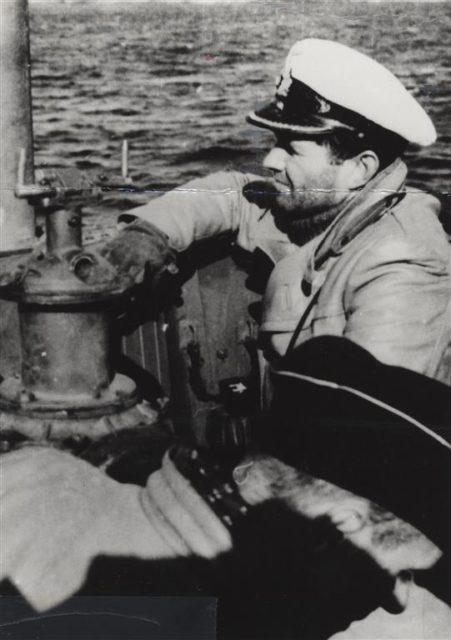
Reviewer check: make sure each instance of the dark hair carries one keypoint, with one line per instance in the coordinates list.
(347, 143)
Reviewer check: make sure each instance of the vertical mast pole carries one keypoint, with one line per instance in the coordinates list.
(17, 225)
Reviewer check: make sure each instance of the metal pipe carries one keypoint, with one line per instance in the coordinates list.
(17, 224)
(63, 230)
(66, 352)
(67, 376)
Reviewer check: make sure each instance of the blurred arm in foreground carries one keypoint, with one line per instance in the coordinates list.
(58, 513)
(364, 464)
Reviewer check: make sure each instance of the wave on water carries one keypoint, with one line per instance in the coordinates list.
(214, 153)
(178, 79)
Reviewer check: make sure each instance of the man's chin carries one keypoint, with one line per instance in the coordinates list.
(297, 231)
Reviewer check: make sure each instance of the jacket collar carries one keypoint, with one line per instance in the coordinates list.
(368, 205)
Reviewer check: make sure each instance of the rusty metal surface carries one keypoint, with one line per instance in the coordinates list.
(10, 356)
(65, 352)
(64, 296)
(71, 276)
(119, 395)
(63, 230)
(57, 426)
(67, 379)
(188, 351)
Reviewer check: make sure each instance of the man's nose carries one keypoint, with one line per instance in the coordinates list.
(275, 159)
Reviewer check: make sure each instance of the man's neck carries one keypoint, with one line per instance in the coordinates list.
(310, 227)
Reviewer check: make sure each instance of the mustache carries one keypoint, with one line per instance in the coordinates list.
(261, 192)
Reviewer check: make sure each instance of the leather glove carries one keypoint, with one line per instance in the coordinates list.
(141, 251)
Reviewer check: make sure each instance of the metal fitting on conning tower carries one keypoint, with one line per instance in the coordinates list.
(66, 297)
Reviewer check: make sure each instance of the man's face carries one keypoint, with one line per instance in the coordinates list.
(308, 184)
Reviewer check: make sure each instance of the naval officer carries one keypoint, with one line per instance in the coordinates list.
(356, 253)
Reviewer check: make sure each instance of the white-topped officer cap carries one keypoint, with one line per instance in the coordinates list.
(325, 85)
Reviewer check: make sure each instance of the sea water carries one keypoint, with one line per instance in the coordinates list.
(177, 79)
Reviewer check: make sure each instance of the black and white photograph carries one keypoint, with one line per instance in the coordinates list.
(225, 320)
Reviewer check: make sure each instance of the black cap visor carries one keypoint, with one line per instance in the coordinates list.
(299, 109)
(275, 119)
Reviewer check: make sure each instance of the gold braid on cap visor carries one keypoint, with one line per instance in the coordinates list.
(300, 109)
(323, 126)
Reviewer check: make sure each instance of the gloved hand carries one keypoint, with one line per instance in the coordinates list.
(141, 251)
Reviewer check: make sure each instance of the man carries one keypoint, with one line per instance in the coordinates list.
(318, 490)
(356, 253)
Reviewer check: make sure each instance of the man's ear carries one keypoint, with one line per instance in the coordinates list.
(349, 516)
(364, 167)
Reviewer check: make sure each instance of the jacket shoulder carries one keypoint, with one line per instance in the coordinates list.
(411, 231)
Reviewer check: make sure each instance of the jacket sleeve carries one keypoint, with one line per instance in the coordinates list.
(397, 305)
(199, 209)
(58, 513)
